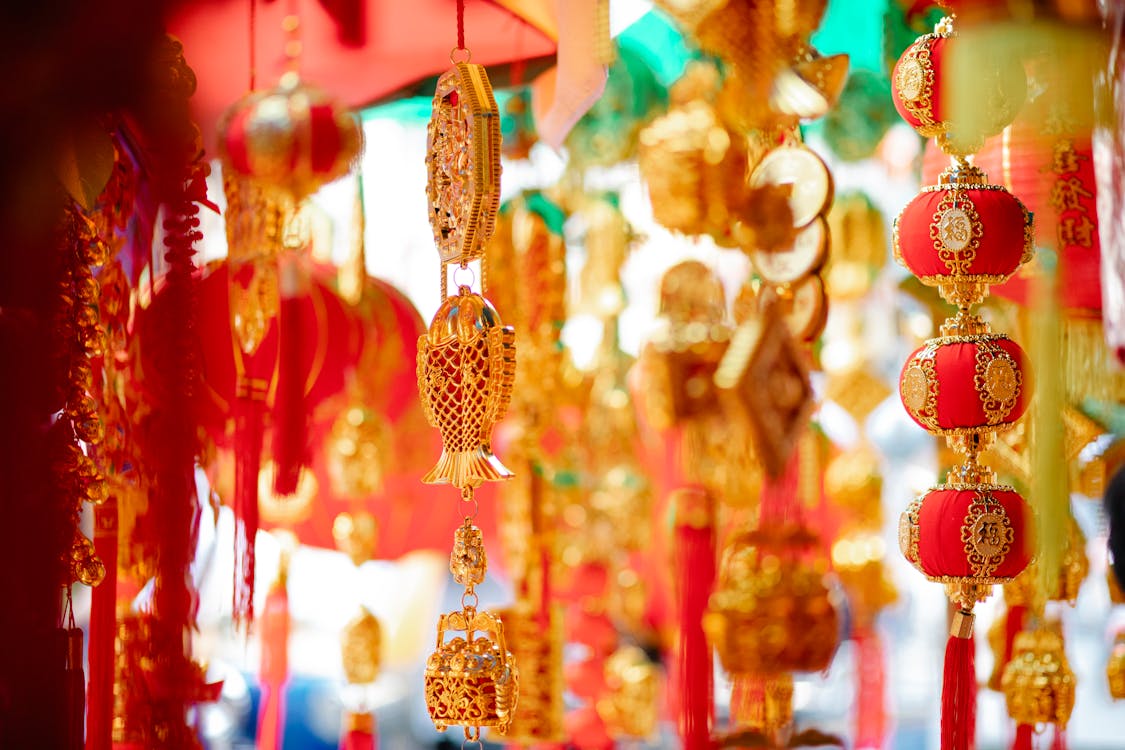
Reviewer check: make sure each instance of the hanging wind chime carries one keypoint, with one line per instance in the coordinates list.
(961, 236)
(466, 369)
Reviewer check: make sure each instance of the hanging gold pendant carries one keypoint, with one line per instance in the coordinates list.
(466, 368)
(463, 163)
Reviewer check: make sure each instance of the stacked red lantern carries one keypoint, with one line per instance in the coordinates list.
(919, 85)
(962, 236)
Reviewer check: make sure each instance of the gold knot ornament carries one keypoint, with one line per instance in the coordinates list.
(1038, 683)
(772, 610)
(466, 369)
(471, 679)
(361, 647)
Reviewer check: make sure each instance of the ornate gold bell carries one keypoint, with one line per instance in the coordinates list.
(471, 680)
(1038, 684)
(772, 611)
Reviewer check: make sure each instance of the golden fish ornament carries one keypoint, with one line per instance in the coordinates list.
(466, 368)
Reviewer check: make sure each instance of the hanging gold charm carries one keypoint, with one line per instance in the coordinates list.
(463, 163)
(466, 368)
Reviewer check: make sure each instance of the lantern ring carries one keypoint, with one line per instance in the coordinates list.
(454, 57)
(472, 277)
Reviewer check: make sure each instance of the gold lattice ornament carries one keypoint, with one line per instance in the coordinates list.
(466, 368)
(463, 162)
(1038, 683)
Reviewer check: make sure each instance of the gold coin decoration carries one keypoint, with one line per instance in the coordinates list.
(804, 172)
(806, 256)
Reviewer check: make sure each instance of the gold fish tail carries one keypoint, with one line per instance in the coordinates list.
(467, 468)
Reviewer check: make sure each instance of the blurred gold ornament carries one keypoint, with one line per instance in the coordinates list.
(811, 86)
(764, 386)
(85, 565)
(1038, 684)
(762, 703)
(361, 647)
(681, 358)
(255, 218)
(853, 482)
(857, 390)
(466, 368)
(629, 708)
(359, 449)
(471, 680)
(1115, 668)
(1075, 564)
(771, 610)
(1116, 595)
(536, 642)
(695, 170)
(356, 535)
(859, 246)
(858, 562)
(608, 240)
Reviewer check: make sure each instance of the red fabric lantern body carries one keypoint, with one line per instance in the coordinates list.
(957, 385)
(915, 85)
(923, 91)
(962, 235)
(974, 534)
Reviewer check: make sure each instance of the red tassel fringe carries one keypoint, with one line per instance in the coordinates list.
(290, 425)
(274, 669)
(959, 695)
(1024, 734)
(248, 460)
(695, 576)
(871, 713)
(359, 732)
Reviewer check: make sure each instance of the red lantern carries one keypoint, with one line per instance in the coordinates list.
(958, 385)
(293, 136)
(921, 85)
(963, 234)
(967, 534)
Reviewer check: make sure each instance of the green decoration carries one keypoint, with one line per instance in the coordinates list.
(854, 128)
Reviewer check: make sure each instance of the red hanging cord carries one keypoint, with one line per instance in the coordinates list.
(252, 46)
(460, 24)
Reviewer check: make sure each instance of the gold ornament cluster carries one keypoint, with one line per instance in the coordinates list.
(466, 370)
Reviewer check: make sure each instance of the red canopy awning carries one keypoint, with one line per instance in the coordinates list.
(359, 50)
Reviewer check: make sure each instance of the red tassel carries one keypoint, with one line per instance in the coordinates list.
(103, 631)
(290, 424)
(359, 732)
(695, 576)
(274, 670)
(1024, 734)
(871, 713)
(250, 407)
(959, 690)
(1059, 742)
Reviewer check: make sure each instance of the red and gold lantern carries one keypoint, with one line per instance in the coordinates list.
(959, 534)
(923, 97)
(293, 136)
(958, 385)
(963, 235)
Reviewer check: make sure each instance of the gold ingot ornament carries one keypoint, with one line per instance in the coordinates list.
(466, 368)
(361, 647)
(472, 679)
